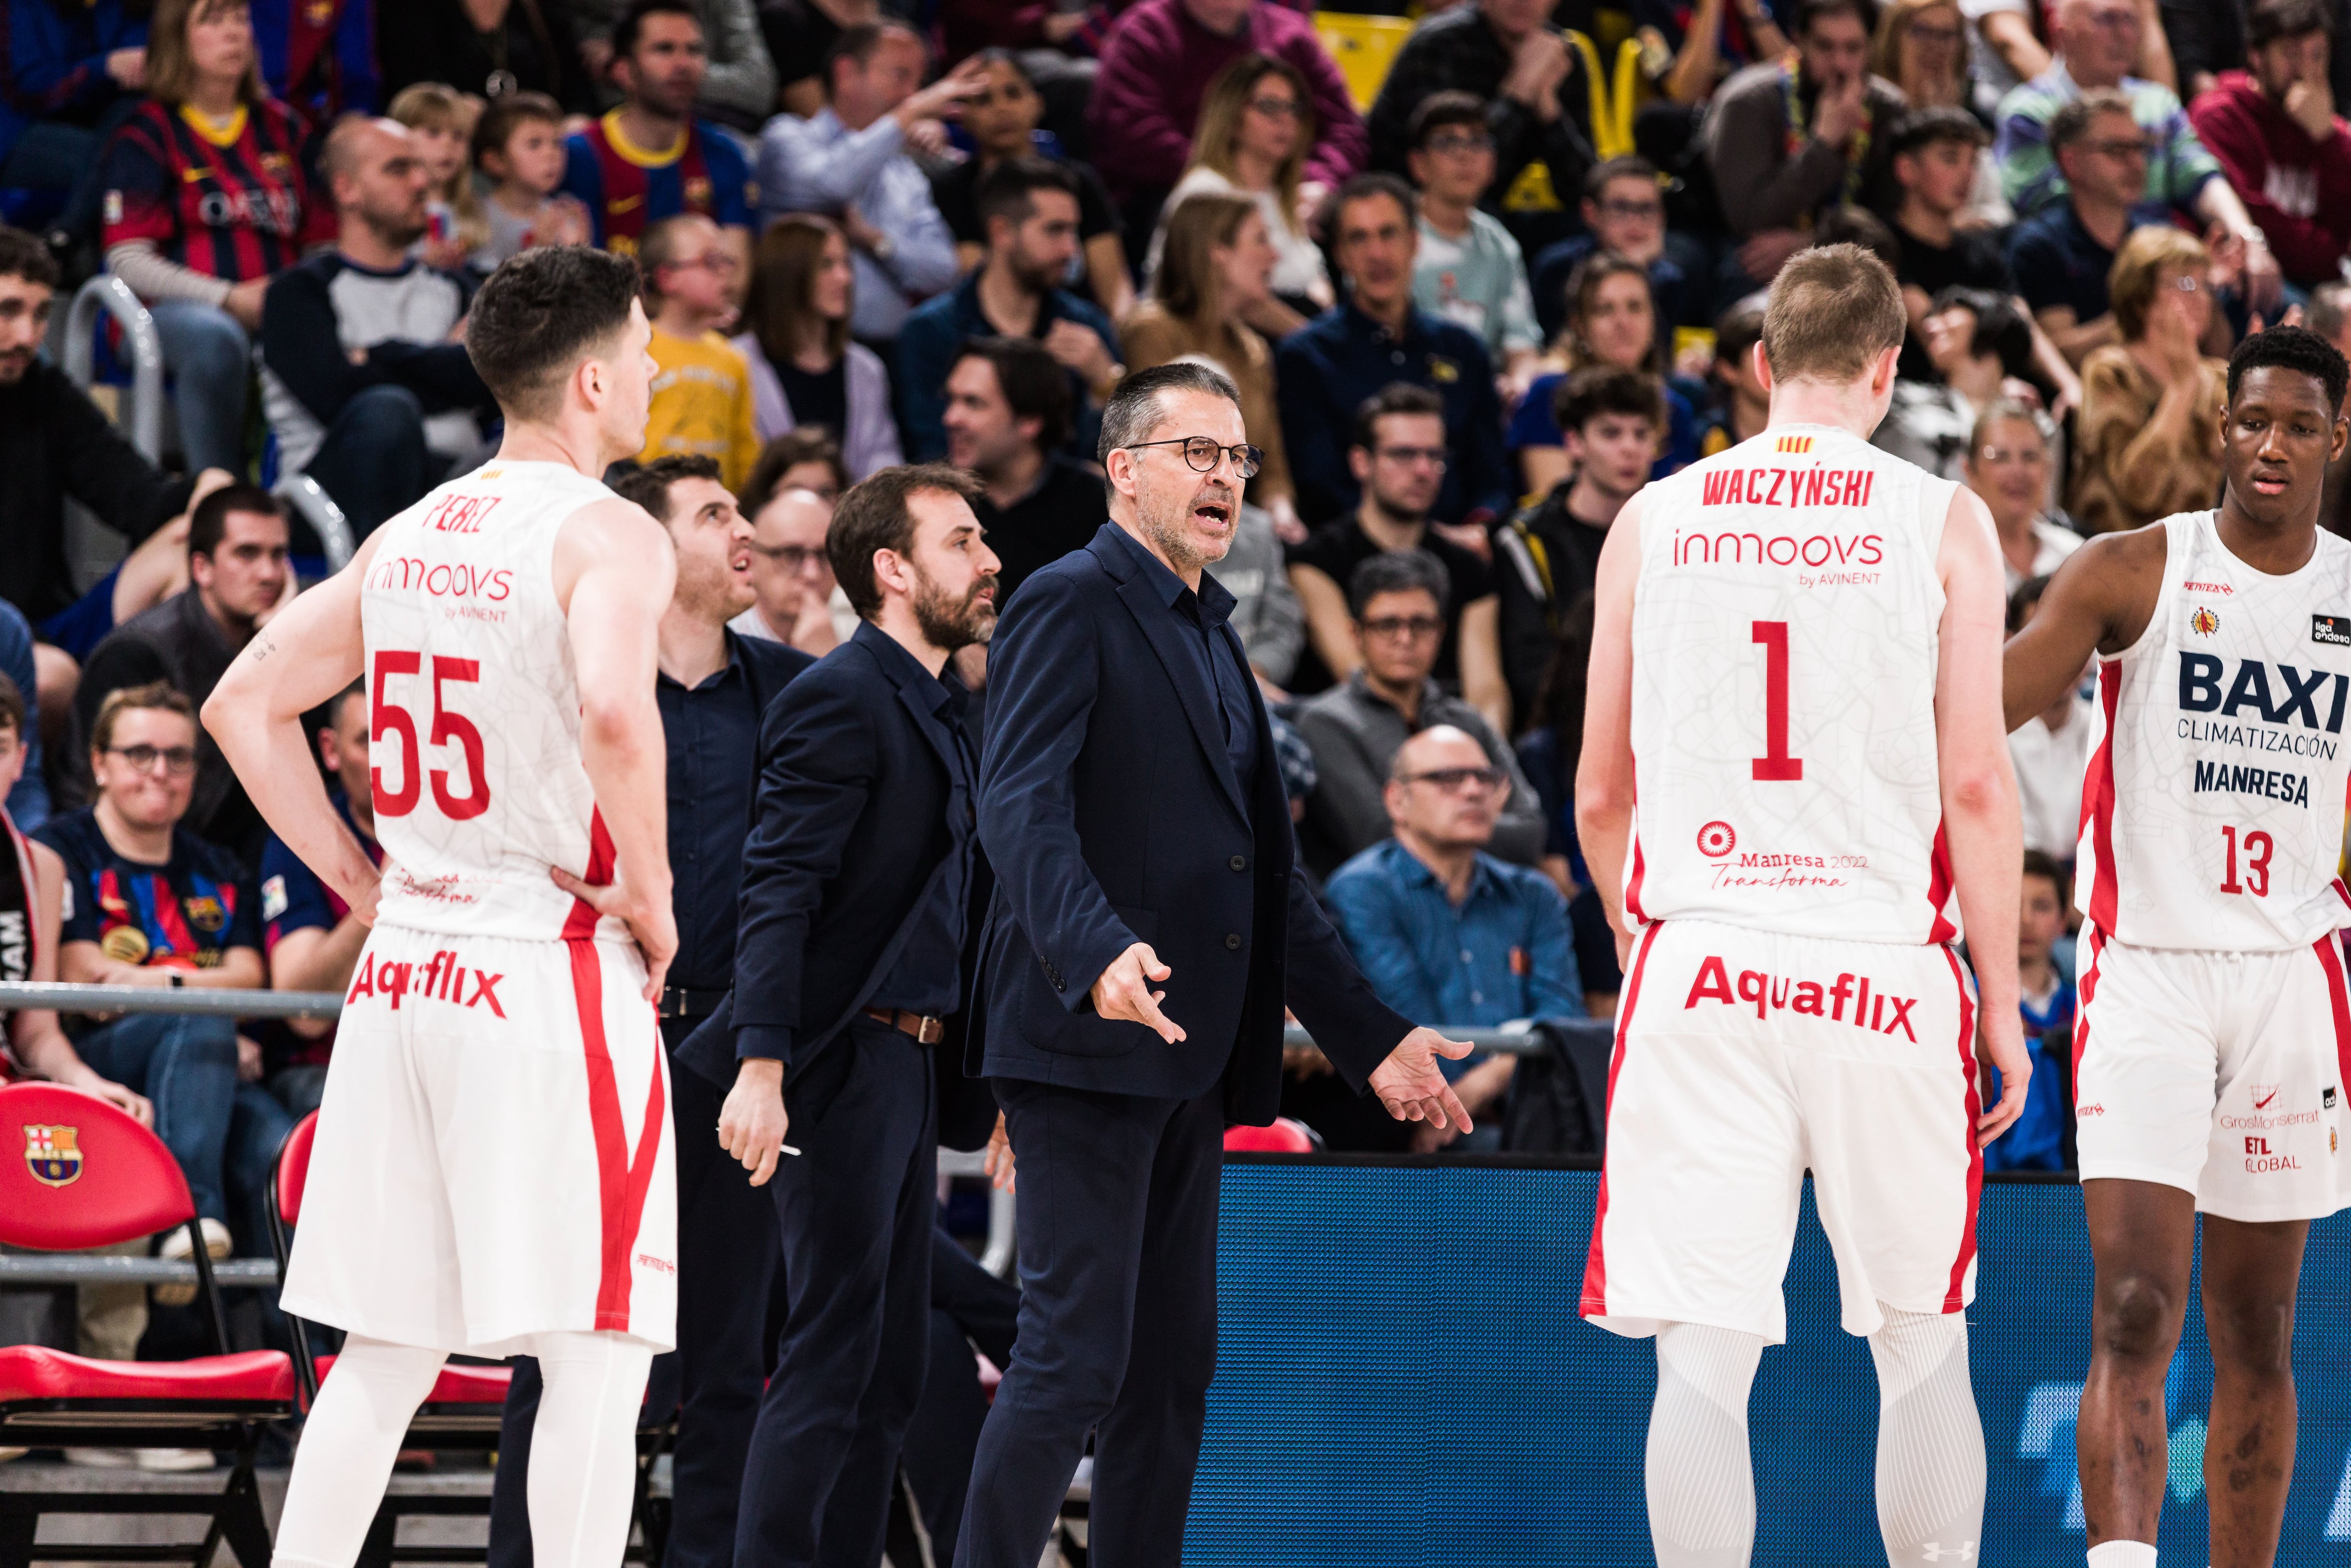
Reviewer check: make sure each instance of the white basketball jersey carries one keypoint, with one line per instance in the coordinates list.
(2212, 812)
(1785, 627)
(473, 710)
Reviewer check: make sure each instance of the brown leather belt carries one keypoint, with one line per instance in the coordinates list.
(929, 1030)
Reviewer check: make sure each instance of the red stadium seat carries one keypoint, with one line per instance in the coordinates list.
(91, 1176)
(1286, 1136)
(461, 1415)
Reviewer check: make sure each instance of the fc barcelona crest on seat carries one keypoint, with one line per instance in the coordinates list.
(53, 1155)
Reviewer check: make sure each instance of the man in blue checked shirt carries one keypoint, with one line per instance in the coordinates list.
(1444, 930)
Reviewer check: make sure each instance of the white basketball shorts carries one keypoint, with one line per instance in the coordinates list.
(1745, 1058)
(2219, 1073)
(493, 1157)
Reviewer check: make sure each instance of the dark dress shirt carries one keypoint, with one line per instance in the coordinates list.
(712, 731)
(927, 977)
(1218, 667)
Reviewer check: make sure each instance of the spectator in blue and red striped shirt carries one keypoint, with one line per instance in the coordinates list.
(320, 56)
(206, 200)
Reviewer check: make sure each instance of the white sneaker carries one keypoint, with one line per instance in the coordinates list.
(176, 1249)
(174, 1458)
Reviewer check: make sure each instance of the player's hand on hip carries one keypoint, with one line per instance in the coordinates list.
(998, 1163)
(752, 1123)
(649, 922)
(1413, 1088)
(2004, 1046)
(1123, 991)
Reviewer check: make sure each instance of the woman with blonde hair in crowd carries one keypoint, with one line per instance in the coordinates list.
(1256, 123)
(1213, 271)
(1921, 46)
(1612, 319)
(2150, 433)
(804, 369)
(441, 119)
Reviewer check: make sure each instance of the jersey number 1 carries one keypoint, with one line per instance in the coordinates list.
(2257, 864)
(387, 718)
(1775, 766)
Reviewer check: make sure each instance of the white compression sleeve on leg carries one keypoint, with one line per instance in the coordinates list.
(344, 1458)
(583, 1449)
(1701, 1480)
(1930, 1443)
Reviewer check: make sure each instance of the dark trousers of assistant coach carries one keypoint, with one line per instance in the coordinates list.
(726, 1262)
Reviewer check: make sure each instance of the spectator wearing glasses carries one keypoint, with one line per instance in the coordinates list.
(1467, 268)
(1443, 929)
(701, 391)
(238, 576)
(1398, 457)
(1327, 369)
(805, 371)
(2011, 463)
(1030, 208)
(1921, 46)
(148, 903)
(2274, 131)
(2061, 256)
(792, 587)
(2150, 403)
(2097, 42)
(1398, 622)
(1008, 420)
(1255, 125)
(1624, 214)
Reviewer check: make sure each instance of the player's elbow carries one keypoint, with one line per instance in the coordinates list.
(617, 719)
(1980, 790)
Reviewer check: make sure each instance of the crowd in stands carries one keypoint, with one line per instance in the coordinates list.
(1472, 302)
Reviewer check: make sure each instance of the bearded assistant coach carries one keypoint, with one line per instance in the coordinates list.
(1147, 930)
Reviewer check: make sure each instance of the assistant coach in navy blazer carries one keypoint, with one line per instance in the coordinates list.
(849, 965)
(1147, 929)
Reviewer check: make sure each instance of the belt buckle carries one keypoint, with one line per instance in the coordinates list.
(931, 1030)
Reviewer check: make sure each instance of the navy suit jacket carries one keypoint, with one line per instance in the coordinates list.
(853, 831)
(1109, 811)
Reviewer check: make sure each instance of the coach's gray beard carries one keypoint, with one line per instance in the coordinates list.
(1164, 526)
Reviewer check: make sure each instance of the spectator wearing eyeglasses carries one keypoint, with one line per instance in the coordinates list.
(2149, 428)
(1399, 604)
(2061, 256)
(238, 576)
(1467, 268)
(702, 392)
(1443, 927)
(1398, 455)
(792, 584)
(2097, 44)
(1624, 214)
(148, 903)
(1008, 420)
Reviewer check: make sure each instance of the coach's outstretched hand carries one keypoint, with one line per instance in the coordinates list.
(753, 1122)
(1412, 1086)
(1123, 991)
(649, 921)
(2003, 1043)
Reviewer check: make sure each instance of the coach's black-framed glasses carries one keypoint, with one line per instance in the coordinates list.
(1200, 454)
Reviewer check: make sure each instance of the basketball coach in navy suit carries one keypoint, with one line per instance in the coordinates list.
(849, 967)
(1146, 930)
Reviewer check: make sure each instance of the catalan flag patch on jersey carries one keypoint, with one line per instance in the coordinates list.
(1794, 443)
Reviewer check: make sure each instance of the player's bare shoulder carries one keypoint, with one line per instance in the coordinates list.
(2115, 578)
(613, 536)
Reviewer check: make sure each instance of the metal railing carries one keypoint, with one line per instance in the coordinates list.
(141, 343)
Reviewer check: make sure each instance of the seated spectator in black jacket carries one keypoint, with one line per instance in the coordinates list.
(1373, 337)
(1007, 420)
(1548, 556)
(1397, 604)
(366, 389)
(237, 576)
(1935, 163)
(1398, 455)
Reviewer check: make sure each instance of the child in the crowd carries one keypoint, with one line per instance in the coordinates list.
(518, 148)
(702, 385)
(441, 119)
(1743, 404)
(2038, 1140)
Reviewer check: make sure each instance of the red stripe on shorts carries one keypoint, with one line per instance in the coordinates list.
(1953, 1299)
(2088, 990)
(2330, 959)
(620, 1183)
(1595, 1263)
(2098, 800)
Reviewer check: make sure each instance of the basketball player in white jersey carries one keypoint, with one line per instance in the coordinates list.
(2214, 1033)
(1794, 784)
(492, 1166)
